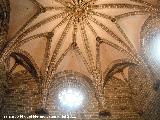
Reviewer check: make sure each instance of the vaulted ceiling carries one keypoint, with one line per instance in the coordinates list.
(97, 38)
(81, 35)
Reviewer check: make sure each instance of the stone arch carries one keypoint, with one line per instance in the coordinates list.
(26, 60)
(114, 86)
(115, 67)
(75, 79)
(78, 74)
(72, 74)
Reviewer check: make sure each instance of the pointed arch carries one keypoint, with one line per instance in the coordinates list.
(116, 67)
(25, 59)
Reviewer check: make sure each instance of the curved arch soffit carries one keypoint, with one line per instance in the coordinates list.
(116, 67)
(25, 59)
(74, 73)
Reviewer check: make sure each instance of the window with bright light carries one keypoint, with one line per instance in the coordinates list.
(71, 98)
(156, 46)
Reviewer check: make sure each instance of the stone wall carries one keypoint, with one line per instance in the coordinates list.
(73, 79)
(2, 84)
(119, 101)
(4, 21)
(22, 97)
(145, 93)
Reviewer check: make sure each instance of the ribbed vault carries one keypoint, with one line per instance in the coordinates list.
(98, 38)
